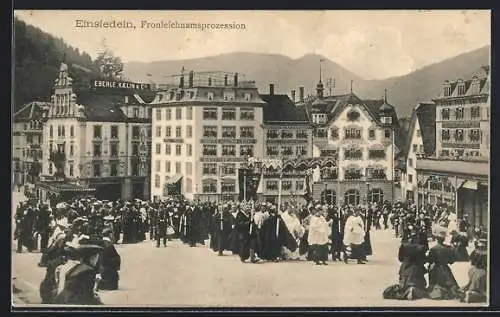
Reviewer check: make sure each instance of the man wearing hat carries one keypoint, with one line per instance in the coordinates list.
(475, 290)
(442, 283)
(77, 278)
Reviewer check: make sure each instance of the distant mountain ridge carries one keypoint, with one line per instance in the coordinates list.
(288, 74)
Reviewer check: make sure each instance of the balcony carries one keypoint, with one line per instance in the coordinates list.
(454, 166)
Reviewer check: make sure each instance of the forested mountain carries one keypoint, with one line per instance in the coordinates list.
(37, 57)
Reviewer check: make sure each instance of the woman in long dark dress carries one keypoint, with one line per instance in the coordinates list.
(475, 290)
(442, 283)
(460, 241)
(412, 283)
(336, 237)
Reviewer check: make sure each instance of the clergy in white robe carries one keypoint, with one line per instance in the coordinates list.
(354, 235)
(318, 237)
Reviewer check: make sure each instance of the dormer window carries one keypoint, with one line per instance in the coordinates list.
(228, 96)
(126, 99)
(447, 91)
(248, 96)
(461, 88)
(210, 95)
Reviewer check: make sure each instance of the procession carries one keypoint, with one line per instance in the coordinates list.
(77, 241)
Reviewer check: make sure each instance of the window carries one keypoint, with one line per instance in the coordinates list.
(371, 134)
(189, 168)
(158, 132)
(353, 154)
(158, 148)
(229, 132)
(285, 134)
(209, 169)
(167, 167)
(322, 133)
(459, 114)
(247, 96)
(168, 149)
(300, 150)
(178, 132)
(135, 149)
(97, 132)
(475, 112)
(149, 131)
(272, 151)
(247, 132)
(271, 185)
(459, 135)
(410, 162)
(113, 149)
(63, 132)
(209, 150)
(474, 135)
(189, 131)
(445, 114)
(71, 170)
(286, 185)
(51, 131)
(50, 168)
(247, 114)
(228, 169)
(71, 150)
(209, 113)
(178, 149)
(286, 150)
(189, 149)
(189, 113)
(461, 89)
(72, 131)
(209, 186)
(158, 166)
(168, 132)
(157, 181)
(376, 154)
(376, 195)
(136, 112)
(113, 169)
(97, 170)
(168, 114)
(415, 148)
(178, 113)
(228, 187)
(273, 134)
(375, 173)
(114, 132)
(410, 178)
(210, 95)
(445, 135)
(387, 133)
(353, 173)
(301, 134)
(228, 114)
(97, 149)
(353, 133)
(299, 185)
(246, 150)
(210, 131)
(177, 167)
(418, 133)
(228, 150)
(158, 114)
(136, 132)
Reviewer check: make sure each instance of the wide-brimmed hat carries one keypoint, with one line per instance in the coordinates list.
(482, 244)
(439, 232)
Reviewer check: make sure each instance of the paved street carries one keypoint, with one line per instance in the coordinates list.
(182, 276)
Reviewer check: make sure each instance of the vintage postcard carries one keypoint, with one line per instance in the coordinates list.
(251, 158)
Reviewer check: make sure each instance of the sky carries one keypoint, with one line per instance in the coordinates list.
(373, 44)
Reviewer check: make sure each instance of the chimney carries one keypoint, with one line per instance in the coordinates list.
(271, 89)
(181, 82)
(293, 95)
(191, 79)
(236, 80)
(301, 94)
(225, 80)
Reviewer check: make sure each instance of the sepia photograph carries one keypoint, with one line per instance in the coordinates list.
(244, 159)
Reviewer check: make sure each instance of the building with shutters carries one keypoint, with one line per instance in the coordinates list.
(458, 171)
(96, 136)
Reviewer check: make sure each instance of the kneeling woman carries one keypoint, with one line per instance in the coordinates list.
(475, 290)
(412, 283)
(442, 283)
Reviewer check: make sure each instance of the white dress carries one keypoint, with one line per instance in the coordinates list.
(354, 231)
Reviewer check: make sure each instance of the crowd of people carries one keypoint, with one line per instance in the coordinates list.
(77, 239)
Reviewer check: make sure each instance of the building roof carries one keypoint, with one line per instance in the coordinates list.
(280, 108)
(31, 111)
(482, 79)
(425, 114)
(476, 168)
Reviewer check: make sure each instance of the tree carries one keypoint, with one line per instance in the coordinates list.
(109, 65)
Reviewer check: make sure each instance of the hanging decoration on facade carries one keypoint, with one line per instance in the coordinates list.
(143, 152)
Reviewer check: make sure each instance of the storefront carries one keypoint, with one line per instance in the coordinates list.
(60, 191)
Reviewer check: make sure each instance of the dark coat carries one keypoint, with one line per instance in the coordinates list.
(79, 287)
(110, 265)
(442, 283)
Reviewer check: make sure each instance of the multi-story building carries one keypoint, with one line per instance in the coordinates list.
(459, 170)
(204, 131)
(359, 135)
(27, 142)
(96, 138)
(420, 140)
(287, 138)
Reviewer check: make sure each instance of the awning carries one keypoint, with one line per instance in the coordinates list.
(60, 187)
(173, 179)
(472, 185)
